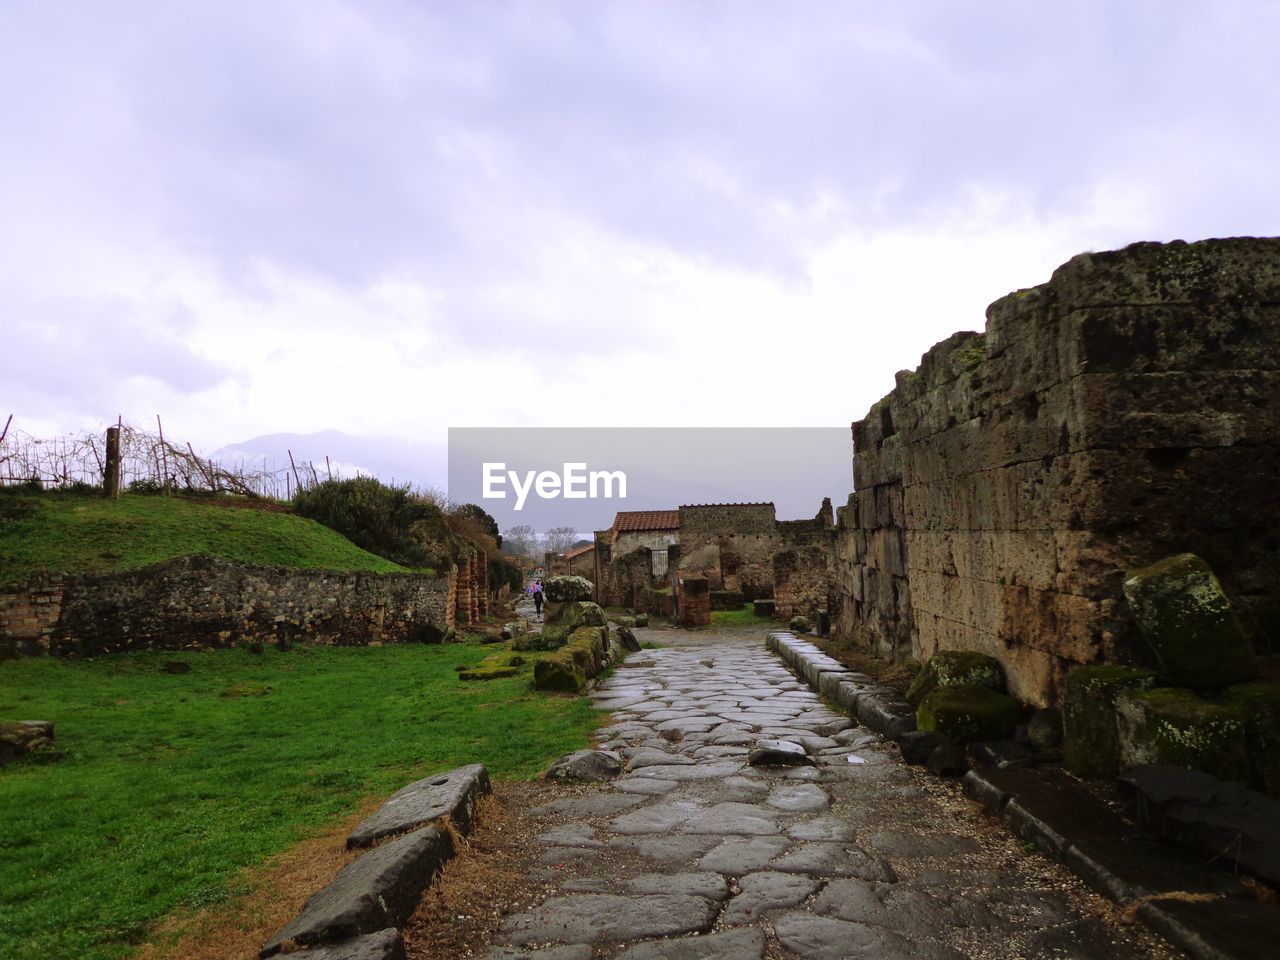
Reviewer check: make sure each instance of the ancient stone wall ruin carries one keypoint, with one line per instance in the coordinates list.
(1126, 410)
(197, 602)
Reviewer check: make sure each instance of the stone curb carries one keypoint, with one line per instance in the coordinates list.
(1220, 921)
(874, 705)
(1066, 822)
(357, 916)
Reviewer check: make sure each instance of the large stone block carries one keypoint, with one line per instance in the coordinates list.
(1189, 623)
(453, 794)
(967, 714)
(1167, 725)
(956, 668)
(1091, 745)
(565, 589)
(379, 890)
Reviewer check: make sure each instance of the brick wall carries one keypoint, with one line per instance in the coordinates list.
(1125, 410)
(694, 597)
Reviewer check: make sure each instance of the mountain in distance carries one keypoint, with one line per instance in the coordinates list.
(423, 465)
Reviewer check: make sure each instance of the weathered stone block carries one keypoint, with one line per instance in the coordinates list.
(379, 890)
(762, 608)
(1188, 621)
(559, 673)
(566, 589)
(799, 624)
(957, 668)
(1090, 743)
(453, 794)
(1167, 725)
(968, 713)
(1259, 704)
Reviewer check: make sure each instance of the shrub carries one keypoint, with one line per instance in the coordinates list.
(386, 520)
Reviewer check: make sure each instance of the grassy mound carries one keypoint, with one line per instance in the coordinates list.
(173, 782)
(78, 533)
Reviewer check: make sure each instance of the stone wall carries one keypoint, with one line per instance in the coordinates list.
(694, 601)
(732, 544)
(802, 581)
(198, 602)
(1126, 410)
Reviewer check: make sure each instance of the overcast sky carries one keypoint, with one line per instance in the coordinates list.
(390, 218)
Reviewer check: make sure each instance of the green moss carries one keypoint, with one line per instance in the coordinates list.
(1173, 726)
(1188, 621)
(487, 673)
(559, 674)
(956, 668)
(969, 713)
(1090, 744)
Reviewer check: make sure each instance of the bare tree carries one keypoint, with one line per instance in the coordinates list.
(522, 540)
(559, 539)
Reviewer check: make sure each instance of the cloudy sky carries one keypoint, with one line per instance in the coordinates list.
(387, 218)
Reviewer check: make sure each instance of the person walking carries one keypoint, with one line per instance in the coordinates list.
(537, 599)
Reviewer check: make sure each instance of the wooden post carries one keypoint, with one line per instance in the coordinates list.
(164, 478)
(111, 470)
(296, 478)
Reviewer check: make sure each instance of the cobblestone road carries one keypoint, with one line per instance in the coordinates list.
(694, 854)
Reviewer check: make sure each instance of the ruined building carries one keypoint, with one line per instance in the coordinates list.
(1126, 410)
(741, 549)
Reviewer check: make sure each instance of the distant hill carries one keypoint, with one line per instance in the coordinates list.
(68, 533)
(419, 464)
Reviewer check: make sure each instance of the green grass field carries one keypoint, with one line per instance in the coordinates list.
(82, 533)
(738, 618)
(172, 783)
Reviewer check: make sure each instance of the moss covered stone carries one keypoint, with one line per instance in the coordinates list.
(968, 713)
(1189, 623)
(957, 668)
(487, 673)
(799, 624)
(565, 589)
(569, 617)
(559, 673)
(1259, 705)
(1168, 725)
(1089, 742)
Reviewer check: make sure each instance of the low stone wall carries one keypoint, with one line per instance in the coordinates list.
(203, 602)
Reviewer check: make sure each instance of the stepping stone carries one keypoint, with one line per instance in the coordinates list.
(799, 798)
(681, 849)
(699, 884)
(778, 753)
(645, 786)
(824, 938)
(720, 750)
(828, 828)
(908, 846)
(728, 945)
(560, 856)
(823, 859)
(699, 771)
(738, 856)
(650, 757)
(596, 918)
(604, 805)
(657, 818)
(768, 890)
(740, 818)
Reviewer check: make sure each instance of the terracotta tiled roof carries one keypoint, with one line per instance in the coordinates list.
(570, 554)
(635, 520)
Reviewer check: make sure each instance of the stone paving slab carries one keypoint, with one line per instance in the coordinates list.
(696, 854)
